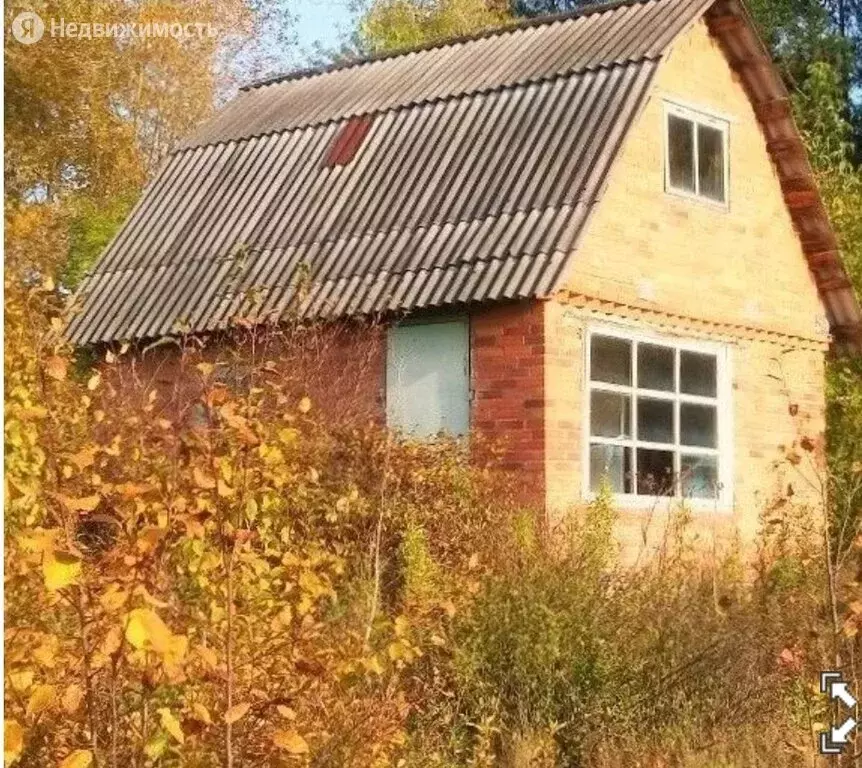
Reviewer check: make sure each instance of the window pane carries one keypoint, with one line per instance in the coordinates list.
(710, 162)
(428, 378)
(611, 360)
(655, 472)
(655, 367)
(699, 476)
(655, 420)
(698, 425)
(610, 415)
(680, 152)
(697, 374)
(613, 462)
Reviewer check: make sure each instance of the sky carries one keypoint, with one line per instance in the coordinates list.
(320, 23)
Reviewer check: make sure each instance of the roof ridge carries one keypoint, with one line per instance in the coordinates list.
(508, 28)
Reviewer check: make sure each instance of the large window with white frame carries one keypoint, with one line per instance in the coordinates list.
(696, 154)
(658, 416)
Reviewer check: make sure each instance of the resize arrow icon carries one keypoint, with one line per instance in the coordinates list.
(839, 735)
(833, 741)
(839, 691)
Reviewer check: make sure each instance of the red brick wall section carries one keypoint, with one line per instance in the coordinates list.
(508, 352)
(343, 369)
(340, 367)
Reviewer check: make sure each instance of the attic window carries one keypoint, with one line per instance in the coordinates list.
(696, 163)
(347, 141)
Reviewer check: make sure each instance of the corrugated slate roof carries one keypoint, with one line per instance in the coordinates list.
(525, 54)
(479, 170)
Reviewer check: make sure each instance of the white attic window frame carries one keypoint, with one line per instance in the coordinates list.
(724, 449)
(698, 117)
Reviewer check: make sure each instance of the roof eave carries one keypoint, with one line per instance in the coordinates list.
(730, 22)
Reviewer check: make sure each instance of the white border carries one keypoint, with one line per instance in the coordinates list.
(723, 400)
(703, 118)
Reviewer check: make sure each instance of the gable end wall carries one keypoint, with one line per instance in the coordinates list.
(681, 267)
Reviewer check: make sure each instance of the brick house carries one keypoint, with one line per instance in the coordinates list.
(595, 237)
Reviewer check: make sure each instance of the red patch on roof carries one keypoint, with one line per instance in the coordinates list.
(347, 141)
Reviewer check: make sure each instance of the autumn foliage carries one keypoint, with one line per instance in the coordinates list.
(215, 574)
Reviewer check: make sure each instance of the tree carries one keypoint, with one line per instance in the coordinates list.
(391, 25)
(88, 119)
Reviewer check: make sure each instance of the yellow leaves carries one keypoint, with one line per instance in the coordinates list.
(224, 490)
(238, 423)
(284, 617)
(207, 655)
(21, 681)
(203, 480)
(39, 539)
(401, 626)
(216, 396)
(171, 724)
(288, 435)
(112, 642)
(314, 587)
(399, 651)
(60, 569)
(113, 598)
(291, 742)
(80, 758)
(134, 490)
(271, 455)
(304, 405)
(41, 700)
(201, 713)
(225, 469)
(236, 712)
(286, 712)
(372, 664)
(313, 584)
(72, 698)
(56, 368)
(149, 538)
(149, 598)
(205, 369)
(13, 741)
(84, 458)
(145, 630)
(46, 652)
(83, 504)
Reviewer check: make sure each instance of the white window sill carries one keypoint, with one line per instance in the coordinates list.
(692, 197)
(630, 502)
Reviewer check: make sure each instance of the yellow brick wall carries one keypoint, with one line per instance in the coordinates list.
(691, 269)
(743, 265)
